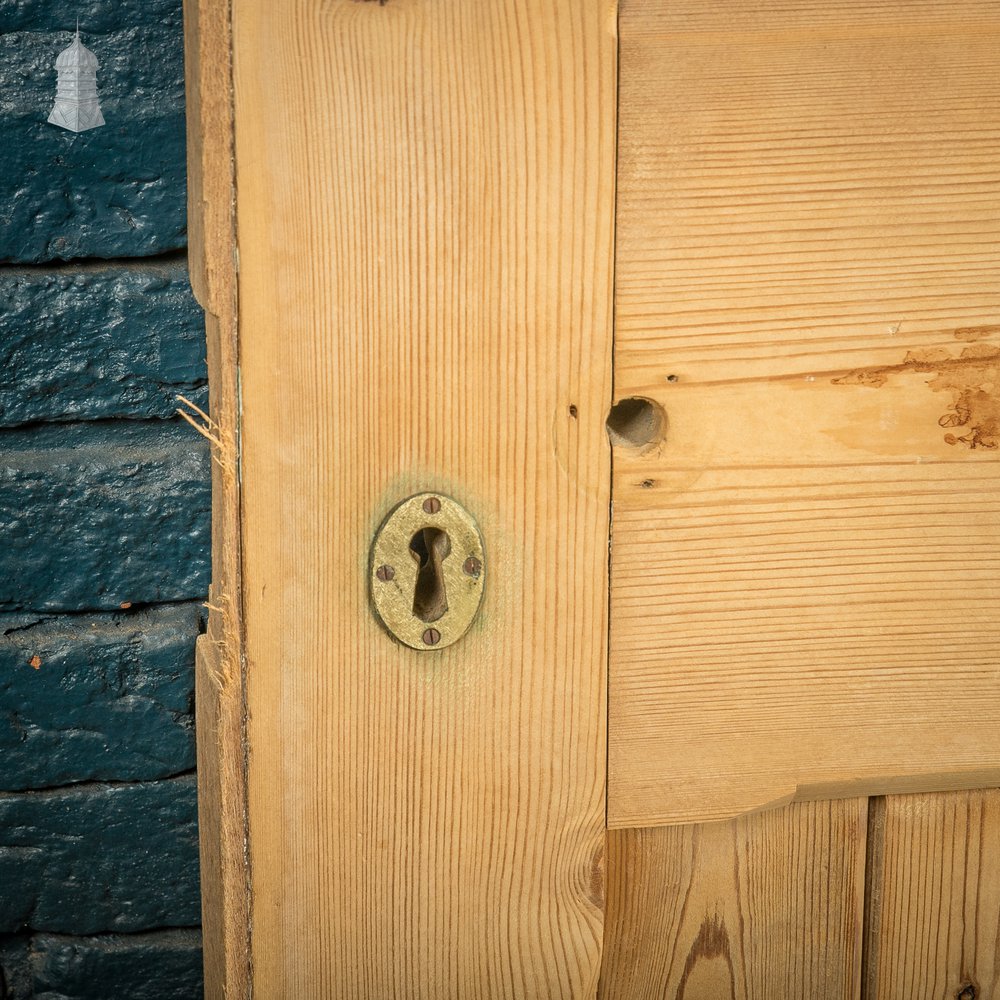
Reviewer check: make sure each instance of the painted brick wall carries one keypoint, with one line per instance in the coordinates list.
(104, 516)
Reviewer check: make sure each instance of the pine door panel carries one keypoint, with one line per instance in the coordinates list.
(754, 908)
(933, 916)
(805, 589)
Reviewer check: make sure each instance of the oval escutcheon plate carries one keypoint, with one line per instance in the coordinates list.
(427, 571)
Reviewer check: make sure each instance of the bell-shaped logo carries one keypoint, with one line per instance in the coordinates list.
(77, 107)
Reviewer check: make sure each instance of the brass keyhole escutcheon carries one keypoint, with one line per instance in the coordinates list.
(428, 571)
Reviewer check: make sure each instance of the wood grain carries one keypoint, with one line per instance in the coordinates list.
(756, 908)
(219, 696)
(934, 897)
(425, 201)
(804, 593)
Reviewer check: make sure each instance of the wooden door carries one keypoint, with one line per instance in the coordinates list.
(694, 309)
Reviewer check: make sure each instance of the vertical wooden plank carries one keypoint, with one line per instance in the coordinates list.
(425, 219)
(934, 897)
(221, 824)
(219, 693)
(756, 908)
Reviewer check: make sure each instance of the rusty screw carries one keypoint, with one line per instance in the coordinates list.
(472, 566)
(431, 506)
(431, 637)
(385, 573)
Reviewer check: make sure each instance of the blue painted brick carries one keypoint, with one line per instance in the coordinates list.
(91, 341)
(163, 965)
(96, 515)
(155, 965)
(105, 697)
(114, 191)
(96, 858)
(15, 970)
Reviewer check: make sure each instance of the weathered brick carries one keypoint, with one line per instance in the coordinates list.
(96, 858)
(15, 970)
(108, 192)
(154, 965)
(96, 515)
(104, 697)
(91, 341)
(163, 965)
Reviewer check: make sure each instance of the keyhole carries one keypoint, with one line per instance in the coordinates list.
(430, 547)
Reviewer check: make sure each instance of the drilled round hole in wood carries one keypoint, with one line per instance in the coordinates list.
(636, 422)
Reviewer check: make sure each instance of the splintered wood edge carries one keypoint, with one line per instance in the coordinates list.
(219, 681)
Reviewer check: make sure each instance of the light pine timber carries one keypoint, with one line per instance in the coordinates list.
(933, 921)
(805, 572)
(757, 908)
(219, 698)
(425, 197)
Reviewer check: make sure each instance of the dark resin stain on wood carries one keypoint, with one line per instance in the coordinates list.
(972, 378)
